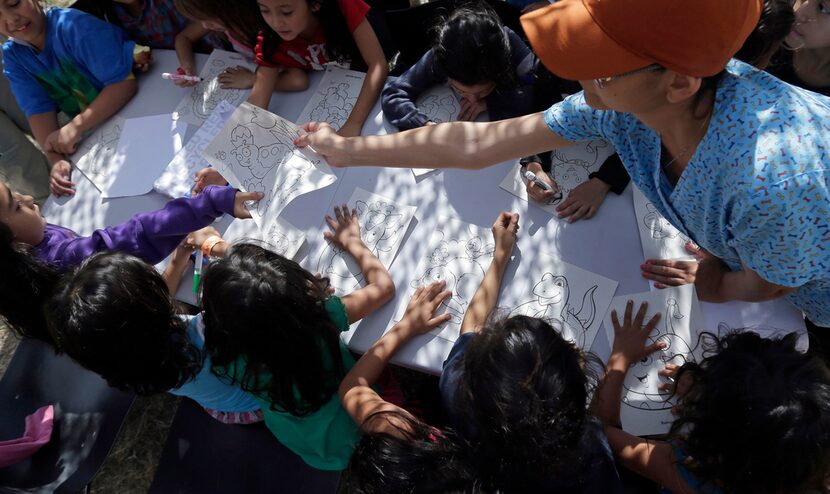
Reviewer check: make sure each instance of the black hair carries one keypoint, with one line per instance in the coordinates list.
(340, 44)
(27, 285)
(524, 391)
(757, 417)
(267, 313)
(776, 21)
(422, 459)
(472, 47)
(114, 315)
(242, 19)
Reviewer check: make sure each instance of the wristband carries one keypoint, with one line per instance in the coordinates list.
(210, 243)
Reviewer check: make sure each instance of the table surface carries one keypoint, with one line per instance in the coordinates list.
(608, 244)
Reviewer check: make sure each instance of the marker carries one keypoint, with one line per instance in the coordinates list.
(538, 181)
(180, 77)
(197, 271)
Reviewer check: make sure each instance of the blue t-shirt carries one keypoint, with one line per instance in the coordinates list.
(206, 388)
(688, 477)
(82, 54)
(755, 192)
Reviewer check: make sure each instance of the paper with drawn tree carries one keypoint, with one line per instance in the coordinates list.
(96, 155)
(255, 152)
(570, 168)
(334, 98)
(383, 225)
(660, 239)
(202, 98)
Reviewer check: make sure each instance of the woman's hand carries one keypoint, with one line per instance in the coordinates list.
(324, 141)
(666, 272)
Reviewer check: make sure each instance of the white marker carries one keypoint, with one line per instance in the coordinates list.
(538, 181)
(180, 77)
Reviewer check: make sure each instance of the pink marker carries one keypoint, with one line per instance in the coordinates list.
(180, 77)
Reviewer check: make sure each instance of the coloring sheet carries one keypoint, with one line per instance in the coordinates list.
(202, 98)
(646, 409)
(459, 253)
(570, 168)
(383, 224)
(283, 238)
(772, 318)
(177, 178)
(97, 153)
(439, 103)
(255, 152)
(556, 290)
(136, 165)
(334, 98)
(660, 239)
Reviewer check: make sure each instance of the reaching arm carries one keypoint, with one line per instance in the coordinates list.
(43, 125)
(264, 83)
(192, 33)
(372, 53)
(485, 298)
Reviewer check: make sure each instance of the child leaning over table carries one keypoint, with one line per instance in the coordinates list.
(66, 60)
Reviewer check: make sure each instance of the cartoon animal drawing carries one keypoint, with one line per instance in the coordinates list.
(569, 173)
(439, 109)
(101, 150)
(552, 302)
(659, 227)
(279, 241)
(462, 277)
(335, 106)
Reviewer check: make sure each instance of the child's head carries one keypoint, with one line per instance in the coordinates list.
(775, 24)
(242, 19)
(473, 49)
(23, 20)
(21, 215)
(115, 317)
(812, 25)
(757, 418)
(265, 312)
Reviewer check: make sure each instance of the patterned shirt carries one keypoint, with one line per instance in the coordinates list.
(755, 193)
(156, 26)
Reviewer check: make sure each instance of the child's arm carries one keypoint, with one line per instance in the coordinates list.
(190, 35)
(653, 460)
(60, 183)
(269, 79)
(484, 301)
(379, 289)
(356, 393)
(372, 53)
(398, 98)
(174, 271)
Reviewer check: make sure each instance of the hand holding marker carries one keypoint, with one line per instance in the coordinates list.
(543, 185)
(180, 77)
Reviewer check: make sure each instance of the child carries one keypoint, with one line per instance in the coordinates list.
(240, 25)
(271, 326)
(33, 253)
(306, 34)
(479, 57)
(69, 61)
(753, 416)
(116, 317)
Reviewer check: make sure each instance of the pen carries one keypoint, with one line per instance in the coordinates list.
(197, 271)
(538, 181)
(181, 77)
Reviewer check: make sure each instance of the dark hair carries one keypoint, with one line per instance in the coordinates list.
(524, 391)
(241, 18)
(268, 312)
(424, 460)
(472, 47)
(27, 285)
(757, 417)
(115, 316)
(340, 44)
(776, 21)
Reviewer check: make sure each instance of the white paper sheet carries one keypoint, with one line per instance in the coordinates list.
(334, 98)
(440, 104)
(660, 239)
(255, 152)
(555, 290)
(96, 155)
(283, 238)
(177, 178)
(201, 100)
(570, 168)
(383, 224)
(773, 318)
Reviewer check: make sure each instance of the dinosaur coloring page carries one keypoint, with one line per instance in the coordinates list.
(646, 409)
(177, 179)
(255, 152)
(570, 168)
(202, 98)
(334, 98)
(96, 155)
(383, 225)
(660, 239)
(459, 254)
(558, 291)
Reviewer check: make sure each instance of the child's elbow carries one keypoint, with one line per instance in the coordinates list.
(387, 289)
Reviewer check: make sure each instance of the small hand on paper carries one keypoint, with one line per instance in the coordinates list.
(236, 78)
(630, 337)
(419, 316)
(59, 179)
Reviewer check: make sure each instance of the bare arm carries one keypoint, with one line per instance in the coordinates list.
(266, 80)
(192, 33)
(468, 145)
(371, 51)
(43, 125)
(716, 283)
(653, 460)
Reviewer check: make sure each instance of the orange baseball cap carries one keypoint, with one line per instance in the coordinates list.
(589, 39)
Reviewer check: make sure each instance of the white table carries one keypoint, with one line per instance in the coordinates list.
(608, 244)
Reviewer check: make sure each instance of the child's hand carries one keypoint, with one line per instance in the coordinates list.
(537, 193)
(59, 179)
(325, 141)
(418, 317)
(630, 338)
(207, 176)
(181, 256)
(345, 229)
(142, 58)
(236, 78)
(195, 239)
(677, 388)
(64, 140)
(471, 110)
(584, 201)
(504, 233)
(239, 209)
(665, 272)
(186, 69)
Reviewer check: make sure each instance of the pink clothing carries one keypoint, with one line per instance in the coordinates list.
(241, 48)
(37, 433)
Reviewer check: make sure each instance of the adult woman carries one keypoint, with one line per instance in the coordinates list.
(733, 157)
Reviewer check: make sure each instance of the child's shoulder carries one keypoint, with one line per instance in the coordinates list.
(69, 24)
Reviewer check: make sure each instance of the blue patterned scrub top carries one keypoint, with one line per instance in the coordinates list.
(756, 190)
